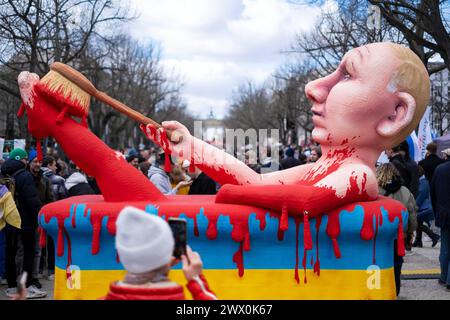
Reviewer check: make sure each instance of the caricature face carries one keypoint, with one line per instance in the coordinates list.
(350, 102)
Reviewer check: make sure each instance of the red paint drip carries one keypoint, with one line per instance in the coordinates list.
(304, 265)
(192, 165)
(307, 238)
(211, 232)
(317, 264)
(367, 231)
(337, 251)
(261, 217)
(395, 211)
(42, 237)
(284, 221)
(297, 227)
(73, 217)
(375, 237)
(111, 225)
(96, 222)
(39, 149)
(333, 230)
(163, 141)
(69, 259)
(60, 241)
(238, 258)
(247, 241)
(196, 233)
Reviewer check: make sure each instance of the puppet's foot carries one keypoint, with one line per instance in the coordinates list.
(26, 82)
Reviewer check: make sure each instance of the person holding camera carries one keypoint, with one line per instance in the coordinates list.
(145, 245)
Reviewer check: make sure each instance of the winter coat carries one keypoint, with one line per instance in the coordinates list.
(429, 164)
(27, 199)
(77, 184)
(402, 167)
(396, 191)
(198, 288)
(59, 191)
(8, 210)
(413, 169)
(440, 195)
(203, 185)
(161, 180)
(289, 162)
(44, 188)
(423, 200)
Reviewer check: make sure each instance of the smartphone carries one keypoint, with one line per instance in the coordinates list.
(21, 285)
(179, 231)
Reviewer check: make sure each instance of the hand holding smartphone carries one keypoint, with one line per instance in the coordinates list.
(179, 230)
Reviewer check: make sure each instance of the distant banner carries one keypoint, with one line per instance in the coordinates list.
(19, 143)
(413, 143)
(424, 135)
(383, 158)
(2, 145)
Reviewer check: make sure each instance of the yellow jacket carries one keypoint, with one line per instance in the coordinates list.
(8, 212)
(183, 190)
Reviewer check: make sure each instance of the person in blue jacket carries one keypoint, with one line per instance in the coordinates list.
(425, 214)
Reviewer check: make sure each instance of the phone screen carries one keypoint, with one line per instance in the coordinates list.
(179, 231)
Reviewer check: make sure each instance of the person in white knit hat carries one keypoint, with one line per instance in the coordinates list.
(145, 245)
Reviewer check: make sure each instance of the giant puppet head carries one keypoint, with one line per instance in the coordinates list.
(376, 97)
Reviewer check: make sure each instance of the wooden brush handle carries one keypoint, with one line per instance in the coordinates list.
(84, 84)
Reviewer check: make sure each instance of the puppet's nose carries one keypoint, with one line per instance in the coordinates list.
(316, 91)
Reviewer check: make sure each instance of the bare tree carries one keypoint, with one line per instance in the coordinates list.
(252, 108)
(424, 24)
(289, 99)
(339, 31)
(35, 33)
(133, 74)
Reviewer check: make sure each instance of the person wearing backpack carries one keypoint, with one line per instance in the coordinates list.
(28, 203)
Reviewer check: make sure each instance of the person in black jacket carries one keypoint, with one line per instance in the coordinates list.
(431, 161)
(412, 167)
(440, 200)
(28, 204)
(397, 159)
(289, 161)
(202, 183)
(77, 184)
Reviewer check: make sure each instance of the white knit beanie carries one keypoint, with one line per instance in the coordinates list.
(144, 241)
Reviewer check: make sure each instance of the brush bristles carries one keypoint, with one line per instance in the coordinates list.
(55, 82)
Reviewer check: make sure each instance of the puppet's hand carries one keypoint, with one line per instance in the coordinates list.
(182, 145)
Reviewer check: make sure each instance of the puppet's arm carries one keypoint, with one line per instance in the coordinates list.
(220, 165)
(340, 188)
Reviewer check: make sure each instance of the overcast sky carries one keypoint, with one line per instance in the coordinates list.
(216, 45)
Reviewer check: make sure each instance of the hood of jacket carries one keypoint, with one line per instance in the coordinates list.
(394, 185)
(156, 170)
(74, 179)
(54, 178)
(11, 166)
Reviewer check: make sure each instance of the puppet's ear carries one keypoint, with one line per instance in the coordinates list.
(398, 118)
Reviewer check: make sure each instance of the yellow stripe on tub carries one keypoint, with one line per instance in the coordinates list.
(256, 284)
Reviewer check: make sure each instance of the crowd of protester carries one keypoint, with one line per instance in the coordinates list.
(422, 187)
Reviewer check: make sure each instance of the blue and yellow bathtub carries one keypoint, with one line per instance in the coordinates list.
(245, 253)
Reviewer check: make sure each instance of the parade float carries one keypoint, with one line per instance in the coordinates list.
(326, 235)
